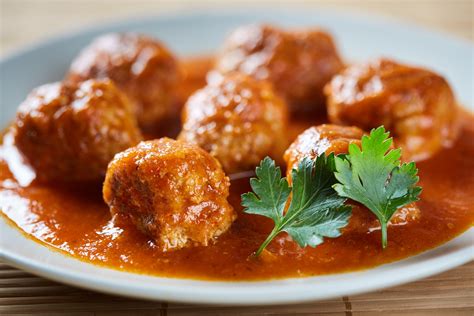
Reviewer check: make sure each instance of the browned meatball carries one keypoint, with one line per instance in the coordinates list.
(173, 191)
(298, 63)
(336, 139)
(70, 133)
(142, 67)
(416, 105)
(320, 139)
(238, 120)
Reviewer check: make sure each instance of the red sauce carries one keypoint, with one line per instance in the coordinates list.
(77, 222)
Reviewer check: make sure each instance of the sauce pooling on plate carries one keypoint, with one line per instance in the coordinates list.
(76, 221)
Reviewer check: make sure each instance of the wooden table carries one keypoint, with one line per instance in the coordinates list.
(23, 21)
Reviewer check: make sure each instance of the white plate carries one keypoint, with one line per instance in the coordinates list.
(359, 38)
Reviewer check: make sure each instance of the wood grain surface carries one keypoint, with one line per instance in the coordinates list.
(25, 21)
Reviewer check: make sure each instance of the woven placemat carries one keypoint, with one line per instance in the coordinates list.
(450, 293)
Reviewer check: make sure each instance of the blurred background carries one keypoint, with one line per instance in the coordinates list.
(26, 21)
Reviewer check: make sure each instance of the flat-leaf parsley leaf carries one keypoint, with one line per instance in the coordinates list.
(374, 176)
(315, 210)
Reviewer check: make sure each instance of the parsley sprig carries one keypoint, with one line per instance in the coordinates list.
(315, 211)
(374, 176)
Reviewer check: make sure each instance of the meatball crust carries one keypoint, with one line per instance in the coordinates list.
(336, 139)
(70, 133)
(238, 120)
(298, 63)
(174, 192)
(415, 104)
(140, 66)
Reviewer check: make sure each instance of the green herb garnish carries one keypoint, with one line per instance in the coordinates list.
(375, 177)
(315, 211)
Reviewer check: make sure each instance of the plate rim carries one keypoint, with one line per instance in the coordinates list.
(198, 291)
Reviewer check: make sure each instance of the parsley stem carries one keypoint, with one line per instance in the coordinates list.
(270, 237)
(384, 233)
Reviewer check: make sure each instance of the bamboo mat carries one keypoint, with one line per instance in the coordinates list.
(450, 293)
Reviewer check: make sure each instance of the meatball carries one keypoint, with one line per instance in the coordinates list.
(238, 120)
(70, 133)
(320, 139)
(140, 66)
(416, 105)
(298, 63)
(336, 139)
(174, 192)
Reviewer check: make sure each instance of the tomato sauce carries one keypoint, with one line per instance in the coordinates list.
(76, 221)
